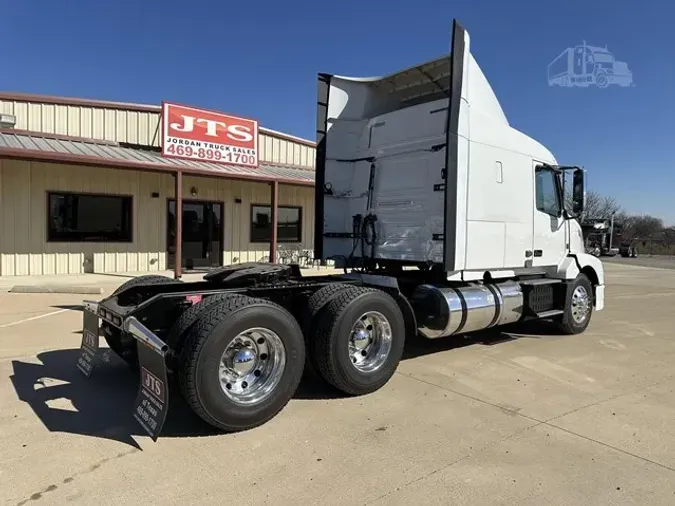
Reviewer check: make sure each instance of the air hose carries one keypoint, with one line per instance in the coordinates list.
(368, 236)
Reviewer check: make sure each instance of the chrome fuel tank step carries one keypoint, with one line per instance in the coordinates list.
(443, 311)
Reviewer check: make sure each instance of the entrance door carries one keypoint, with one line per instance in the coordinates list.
(202, 240)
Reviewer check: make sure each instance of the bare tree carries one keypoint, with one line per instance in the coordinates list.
(598, 206)
(643, 227)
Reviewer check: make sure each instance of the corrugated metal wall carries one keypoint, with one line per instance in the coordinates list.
(24, 249)
(136, 127)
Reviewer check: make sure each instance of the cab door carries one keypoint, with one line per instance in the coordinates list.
(549, 234)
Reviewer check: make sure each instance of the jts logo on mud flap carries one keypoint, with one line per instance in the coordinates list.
(90, 340)
(152, 384)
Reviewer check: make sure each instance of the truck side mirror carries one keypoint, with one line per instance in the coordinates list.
(578, 192)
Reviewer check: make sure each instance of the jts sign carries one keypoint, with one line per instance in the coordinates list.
(198, 134)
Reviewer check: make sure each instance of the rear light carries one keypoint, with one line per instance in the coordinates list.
(194, 299)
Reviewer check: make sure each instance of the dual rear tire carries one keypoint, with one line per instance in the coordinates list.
(241, 362)
(357, 338)
(242, 359)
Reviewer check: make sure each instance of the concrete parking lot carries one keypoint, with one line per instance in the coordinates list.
(527, 418)
(659, 261)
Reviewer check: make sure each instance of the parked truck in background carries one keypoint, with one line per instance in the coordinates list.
(605, 237)
(433, 242)
(600, 236)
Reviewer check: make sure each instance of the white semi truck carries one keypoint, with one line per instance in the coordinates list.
(446, 219)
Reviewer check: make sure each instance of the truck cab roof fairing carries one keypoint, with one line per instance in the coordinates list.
(430, 81)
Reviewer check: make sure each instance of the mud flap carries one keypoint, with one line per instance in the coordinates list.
(152, 401)
(90, 337)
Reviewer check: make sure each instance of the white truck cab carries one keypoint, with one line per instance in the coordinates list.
(426, 164)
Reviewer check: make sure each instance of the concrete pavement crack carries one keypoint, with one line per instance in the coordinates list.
(614, 397)
(607, 445)
(93, 467)
(542, 422)
(477, 399)
(450, 464)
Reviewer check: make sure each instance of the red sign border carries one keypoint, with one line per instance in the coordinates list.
(177, 157)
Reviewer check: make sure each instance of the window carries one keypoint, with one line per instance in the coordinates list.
(547, 192)
(289, 226)
(76, 217)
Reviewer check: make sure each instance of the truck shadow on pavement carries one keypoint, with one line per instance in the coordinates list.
(101, 406)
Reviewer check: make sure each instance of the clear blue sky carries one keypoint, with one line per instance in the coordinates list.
(260, 59)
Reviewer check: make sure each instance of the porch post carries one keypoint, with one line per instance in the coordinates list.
(274, 187)
(178, 257)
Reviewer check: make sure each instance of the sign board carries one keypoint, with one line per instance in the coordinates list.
(208, 136)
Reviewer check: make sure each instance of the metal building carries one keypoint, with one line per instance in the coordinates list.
(84, 188)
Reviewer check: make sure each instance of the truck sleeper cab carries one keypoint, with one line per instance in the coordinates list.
(433, 242)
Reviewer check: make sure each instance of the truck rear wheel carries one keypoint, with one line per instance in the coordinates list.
(176, 336)
(124, 345)
(578, 306)
(241, 363)
(147, 279)
(359, 340)
(311, 318)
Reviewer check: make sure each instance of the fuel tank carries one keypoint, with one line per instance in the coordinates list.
(443, 310)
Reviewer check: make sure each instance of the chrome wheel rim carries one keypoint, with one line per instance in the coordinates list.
(581, 304)
(370, 342)
(252, 365)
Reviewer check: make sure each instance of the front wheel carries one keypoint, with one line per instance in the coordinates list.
(602, 80)
(578, 306)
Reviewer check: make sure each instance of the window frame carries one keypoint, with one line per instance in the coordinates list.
(49, 232)
(557, 188)
(279, 240)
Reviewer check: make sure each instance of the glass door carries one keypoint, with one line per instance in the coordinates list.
(202, 240)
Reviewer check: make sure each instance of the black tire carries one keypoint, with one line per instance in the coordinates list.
(331, 347)
(176, 336)
(310, 320)
(569, 325)
(123, 345)
(204, 345)
(148, 279)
